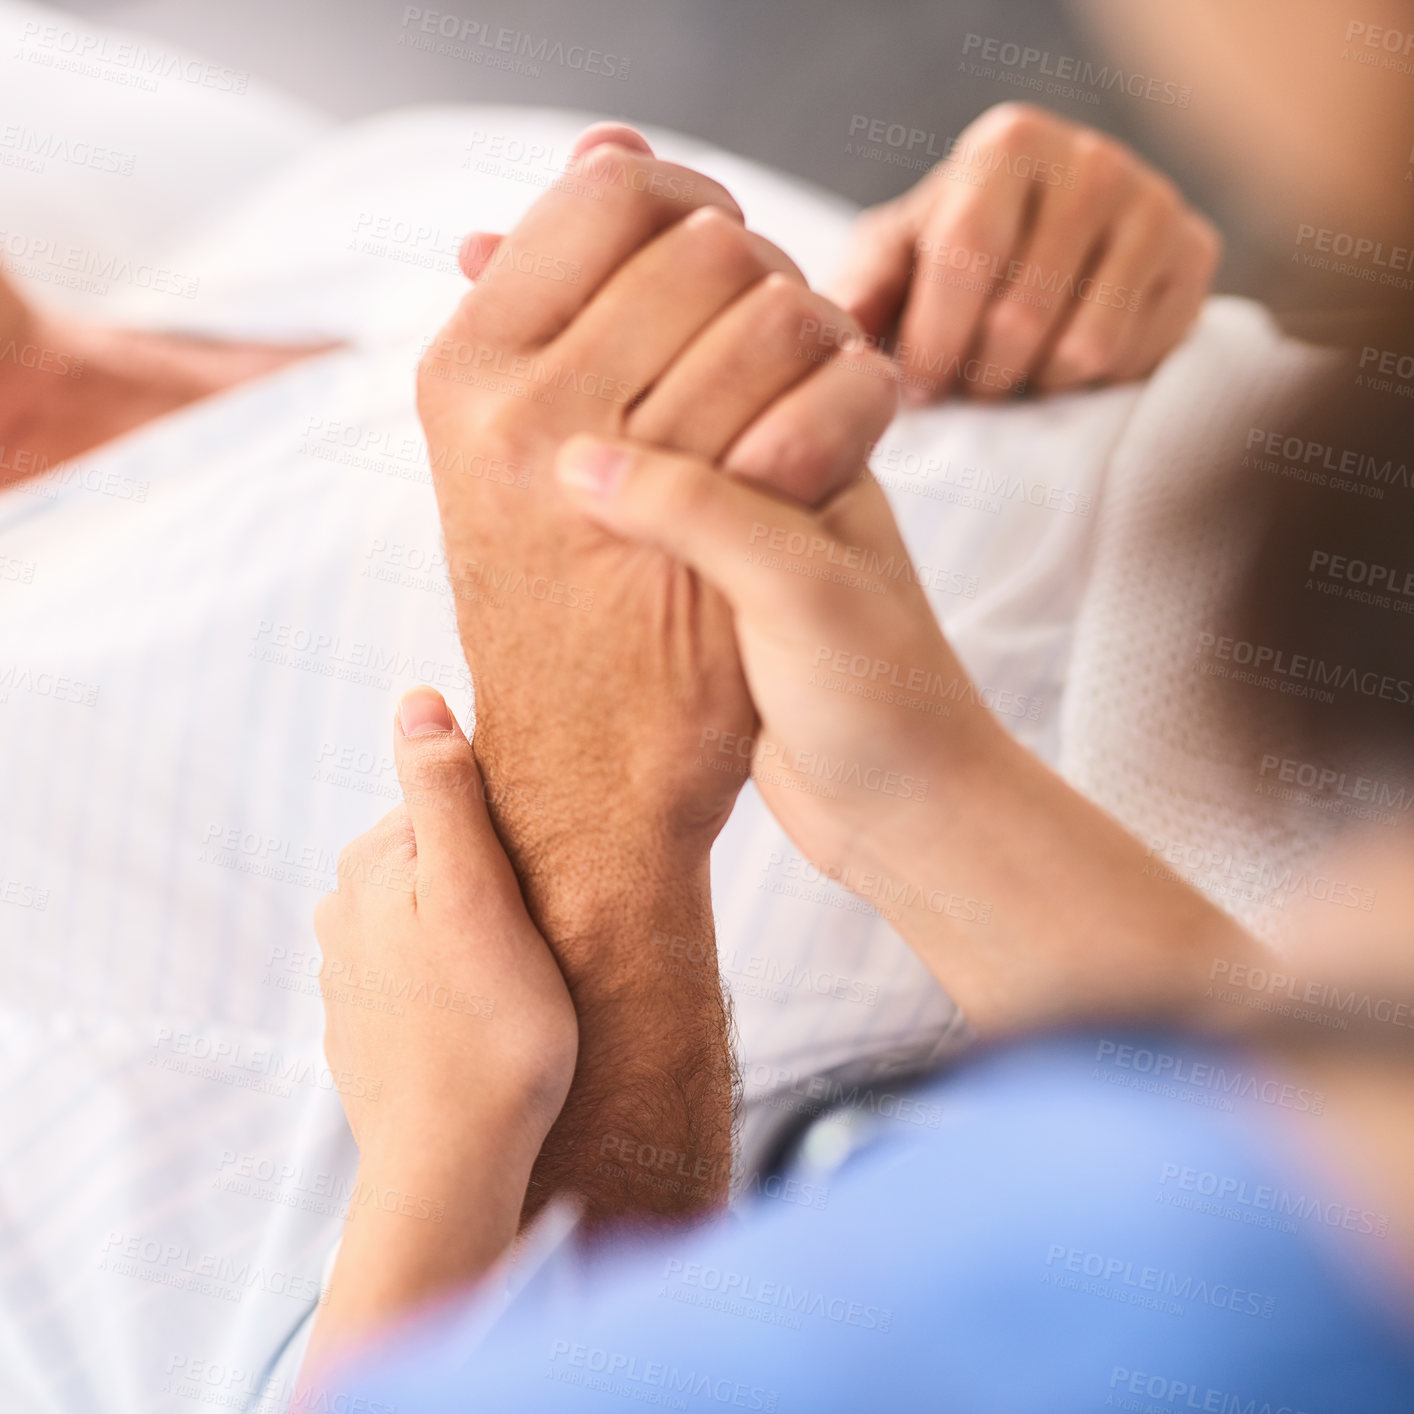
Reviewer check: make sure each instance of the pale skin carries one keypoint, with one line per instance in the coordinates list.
(1039, 254)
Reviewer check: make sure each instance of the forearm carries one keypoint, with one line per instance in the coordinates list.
(646, 1131)
(420, 1225)
(1035, 907)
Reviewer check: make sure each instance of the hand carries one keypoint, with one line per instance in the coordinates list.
(1039, 254)
(449, 1029)
(884, 764)
(596, 664)
(862, 703)
(678, 327)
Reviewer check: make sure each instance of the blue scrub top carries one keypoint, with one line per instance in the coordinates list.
(1093, 1222)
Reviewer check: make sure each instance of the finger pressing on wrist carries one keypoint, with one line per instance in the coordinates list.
(441, 782)
(722, 527)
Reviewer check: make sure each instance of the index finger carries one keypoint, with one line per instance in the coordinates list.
(610, 201)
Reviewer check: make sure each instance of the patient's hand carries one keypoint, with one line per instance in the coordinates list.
(450, 1088)
(629, 301)
(1038, 254)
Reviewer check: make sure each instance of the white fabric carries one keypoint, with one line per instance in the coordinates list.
(1148, 730)
(115, 148)
(203, 637)
(233, 598)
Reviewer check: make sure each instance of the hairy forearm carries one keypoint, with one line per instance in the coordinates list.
(646, 1131)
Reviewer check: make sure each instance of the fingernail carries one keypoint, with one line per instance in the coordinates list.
(592, 466)
(423, 710)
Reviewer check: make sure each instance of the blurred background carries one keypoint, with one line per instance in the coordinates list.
(797, 84)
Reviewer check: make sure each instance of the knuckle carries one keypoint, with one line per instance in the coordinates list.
(878, 377)
(1207, 242)
(1018, 124)
(1163, 200)
(722, 241)
(443, 767)
(687, 493)
(971, 235)
(783, 308)
(608, 163)
(1016, 321)
(1104, 164)
(1087, 354)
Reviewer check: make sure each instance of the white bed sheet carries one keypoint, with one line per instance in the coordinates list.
(209, 625)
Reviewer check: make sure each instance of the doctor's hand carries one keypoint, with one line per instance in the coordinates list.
(885, 765)
(866, 715)
(448, 1026)
(1038, 255)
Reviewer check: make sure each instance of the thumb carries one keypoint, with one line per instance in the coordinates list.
(878, 267)
(732, 533)
(441, 781)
